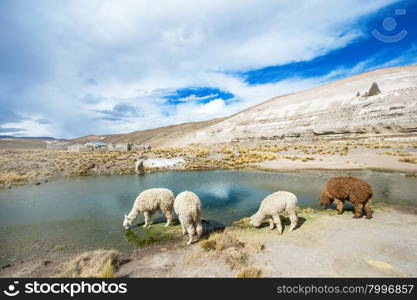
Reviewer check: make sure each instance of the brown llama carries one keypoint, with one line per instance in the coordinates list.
(355, 190)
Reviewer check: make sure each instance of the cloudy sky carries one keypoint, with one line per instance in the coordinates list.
(70, 68)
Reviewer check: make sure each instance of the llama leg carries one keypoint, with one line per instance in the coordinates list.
(277, 221)
(191, 233)
(339, 206)
(199, 228)
(294, 220)
(148, 218)
(368, 209)
(184, 229)
(358, 210)
(169, 216)
(271, 224)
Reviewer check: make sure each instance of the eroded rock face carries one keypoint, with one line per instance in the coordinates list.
(374, 90)
(328, 112)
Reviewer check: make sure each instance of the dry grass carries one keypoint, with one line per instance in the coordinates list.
(231, 248)
(256, 246)
(34, 165)
(22, 166)
(235, 258)
(234, 251)
(243, 223)
(408, 160)
(97, 264)
(300, 158)
(221, 241)
(108, 270)
(250, 272)
(11, 177)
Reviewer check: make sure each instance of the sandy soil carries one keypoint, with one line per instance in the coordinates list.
(339, 246)
(355, 160)
(327, 245)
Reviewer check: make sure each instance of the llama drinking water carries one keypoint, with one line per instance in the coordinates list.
(272, 206)
(148, 202)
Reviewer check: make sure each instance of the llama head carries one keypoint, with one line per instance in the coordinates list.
(256, 220)
(127, 223)
(325, 201)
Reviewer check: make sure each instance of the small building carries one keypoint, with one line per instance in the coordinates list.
(95, 145)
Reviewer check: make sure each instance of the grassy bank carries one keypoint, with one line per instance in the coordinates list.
(38, 165)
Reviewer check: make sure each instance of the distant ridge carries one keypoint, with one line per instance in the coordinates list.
(27, 137)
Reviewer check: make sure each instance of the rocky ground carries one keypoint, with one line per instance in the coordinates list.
(324, 245)
(18, 166)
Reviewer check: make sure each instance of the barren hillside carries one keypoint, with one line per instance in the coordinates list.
(332, 111)
(155, 137)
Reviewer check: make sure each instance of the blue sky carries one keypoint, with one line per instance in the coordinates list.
(72, 68)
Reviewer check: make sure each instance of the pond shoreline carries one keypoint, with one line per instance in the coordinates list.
(257, 167)
(35, 166)
(173, 258)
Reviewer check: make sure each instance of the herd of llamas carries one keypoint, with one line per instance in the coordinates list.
(187, 206)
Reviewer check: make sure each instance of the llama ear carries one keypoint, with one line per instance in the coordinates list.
(125, 216)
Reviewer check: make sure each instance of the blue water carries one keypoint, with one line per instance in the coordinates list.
(87, 212)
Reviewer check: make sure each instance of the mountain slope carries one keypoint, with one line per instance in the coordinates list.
(155, 137)
(331, 111)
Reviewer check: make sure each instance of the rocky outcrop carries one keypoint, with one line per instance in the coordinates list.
(374, 90)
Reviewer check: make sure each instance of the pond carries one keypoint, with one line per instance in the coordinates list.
(81, 213)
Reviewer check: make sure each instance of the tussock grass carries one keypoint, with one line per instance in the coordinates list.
(234, 251)
(243, 223)
(94, 264)
(235, 258)
(208, 245)
(221, 241)
(108, 270)
(408, 160)
(256, 246)
(250, 272)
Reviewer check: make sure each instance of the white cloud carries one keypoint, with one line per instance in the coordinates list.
(137, 52)
(216, 106)
(193, 97)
